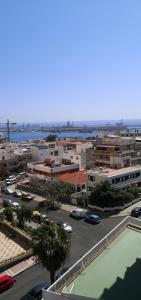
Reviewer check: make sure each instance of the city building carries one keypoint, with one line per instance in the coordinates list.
(51, 168)
(13, 157)
(117, 152)
(44, 151)
(119, 178)
(75, 179)
(76, 152)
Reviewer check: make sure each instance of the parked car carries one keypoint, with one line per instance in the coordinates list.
(9, 191)
(22, 174)
(64, 226)
(36, 216)
(78, 213)
(15, 204)
(8, 182)
(93, 219)
(36, 292)
(26, 196)
(136, 212)
(11, 177)
(6, 282)
(41, 218)
(3, 188)
(7, 202)
(17, 194)
(54, 205)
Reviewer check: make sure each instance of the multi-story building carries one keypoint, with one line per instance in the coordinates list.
(44, 151)
(119, 179)
(117, 152)
(13, 157)
(76, 153)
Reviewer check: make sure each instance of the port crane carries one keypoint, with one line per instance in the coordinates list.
(8, 124)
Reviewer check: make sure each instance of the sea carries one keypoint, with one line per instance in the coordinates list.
(29, 134)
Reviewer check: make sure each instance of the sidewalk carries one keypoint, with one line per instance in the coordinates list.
(22, 266)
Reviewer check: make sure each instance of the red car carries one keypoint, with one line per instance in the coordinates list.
(6, 282)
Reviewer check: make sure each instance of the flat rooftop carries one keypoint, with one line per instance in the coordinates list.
(111, 274)
(107, 172)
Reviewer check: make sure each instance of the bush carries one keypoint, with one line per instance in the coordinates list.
(104, 195)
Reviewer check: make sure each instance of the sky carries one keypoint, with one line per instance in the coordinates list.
(70, 60)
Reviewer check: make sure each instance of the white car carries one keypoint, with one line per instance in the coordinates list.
(78, 213)
(64, 226)
(9, 191)
(17, 194)
(15, 204)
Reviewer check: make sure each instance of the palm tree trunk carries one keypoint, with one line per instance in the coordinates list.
(52, 276)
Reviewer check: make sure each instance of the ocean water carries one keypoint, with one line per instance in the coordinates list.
(25, 136)
(30, 135)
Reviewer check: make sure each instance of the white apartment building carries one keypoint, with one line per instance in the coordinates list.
(13, 156)
(76, 153)
(119, 179)
(44, 151)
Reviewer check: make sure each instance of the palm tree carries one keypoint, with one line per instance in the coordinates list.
(50, 245)
(24, 214)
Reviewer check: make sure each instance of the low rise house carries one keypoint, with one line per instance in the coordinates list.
(76, 179)
(51, 168)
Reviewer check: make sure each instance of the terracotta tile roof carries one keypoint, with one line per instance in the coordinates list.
(74, 178)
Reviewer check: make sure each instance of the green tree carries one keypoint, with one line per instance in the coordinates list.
(51, 138)
(24, 214)
(134, 190)
(102, 191)
(8, 213)
(51, 247)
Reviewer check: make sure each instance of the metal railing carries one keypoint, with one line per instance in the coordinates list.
(83, 262)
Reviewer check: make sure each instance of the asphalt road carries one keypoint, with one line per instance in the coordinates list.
(84, 237)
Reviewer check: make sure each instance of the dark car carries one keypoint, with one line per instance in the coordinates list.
(136, 212)
(26, 196)
(93, 219)
(7, 202)
(3, 189)
(36, 292)
(54, 205)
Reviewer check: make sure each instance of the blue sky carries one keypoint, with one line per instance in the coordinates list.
(70, 60)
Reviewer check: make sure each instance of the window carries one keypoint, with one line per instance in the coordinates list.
(91, 178)
(90, 188)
